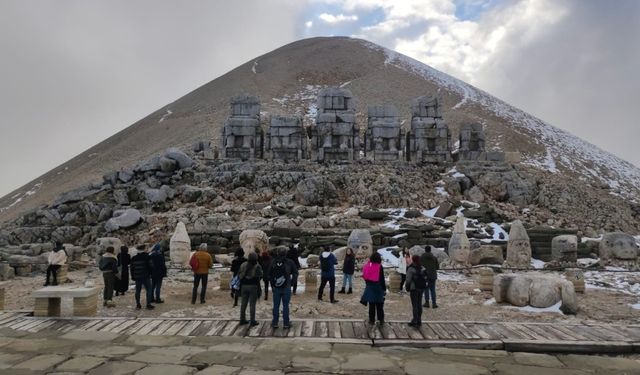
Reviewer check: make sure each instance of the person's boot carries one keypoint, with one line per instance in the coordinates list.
(426, 304)
(434, 305)
(150, 307)
(341, 291)
(350, 291)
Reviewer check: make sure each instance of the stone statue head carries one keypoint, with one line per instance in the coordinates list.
(360, 243)
(253, 240)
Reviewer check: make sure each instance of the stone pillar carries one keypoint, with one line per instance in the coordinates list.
(47, 307)
(63, 276)
(225, 280)
(394, 281)
(576, 276)
(311, 281)
(486, 279)
(85, 306)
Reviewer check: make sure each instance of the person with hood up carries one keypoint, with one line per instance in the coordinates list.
(328, 263)
(158, 272)
(238, 260)
(375, 289)
(201, 274)
(431, 266)
(265, 263)
(295, 258)
(348, 268)
(141, 268)
(57, 257)
(282, 272)
(416, 284)
(124, 260)
(250, 274)
(109, 266)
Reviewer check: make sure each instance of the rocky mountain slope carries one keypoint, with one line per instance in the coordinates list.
(287, 81)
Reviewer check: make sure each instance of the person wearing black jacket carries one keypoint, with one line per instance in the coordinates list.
(141, 268)
(158, 272)
(237, 261)
(282, 271)
(294, 256)
(124, 260)
(430, 263)
(109, 266)
(348, 268)
(265, 263)
(250, 274)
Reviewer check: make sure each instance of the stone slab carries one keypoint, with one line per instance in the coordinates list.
(80, 364)
(537, 359)
(416, 367)
(90, 336)
(166, 370)
(174, 354)
(41, 362)
(219, 370)
(63, 291)
(117, 368)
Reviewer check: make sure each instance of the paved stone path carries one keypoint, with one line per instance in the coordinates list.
(532, 337)
(107, 353)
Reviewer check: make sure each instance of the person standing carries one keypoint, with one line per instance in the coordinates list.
(375, 289)
(282, 272)
(238, 260)
(158, 272)
(402, 270)
(201, 273)
(57, 257)
(416, 284)
(250, 274)
(431, 266)
(141, 273)
(328, 263)
(265, 263)
(348, 269)
(295, 258)
(124, 260)
(109, 266)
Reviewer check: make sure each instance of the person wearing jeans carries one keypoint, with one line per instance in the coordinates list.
(348, 268)
(158, 273)
(109, 266)
(250, 276)
(201, 274)
(430, 263)
(415, 286)
(328, 263)
(141, 272)
(282, 272)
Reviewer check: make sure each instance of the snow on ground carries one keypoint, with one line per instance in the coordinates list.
(554, 309)
(388, 259)
(610, 279)
(457, 277)
(253, 68)
(440, 190)
(497, 230)
(431, 213)
(635, 306)
(169, 113)
(586, 262)
(537, 264)
(453, 172)
(303, 262)
(19, 197)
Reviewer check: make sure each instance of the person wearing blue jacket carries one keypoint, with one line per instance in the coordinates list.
(328, 263)
(158, 272)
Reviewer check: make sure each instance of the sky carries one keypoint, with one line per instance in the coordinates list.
(74, 72)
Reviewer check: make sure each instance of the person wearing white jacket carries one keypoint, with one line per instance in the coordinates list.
(402, 270)
(57, 257)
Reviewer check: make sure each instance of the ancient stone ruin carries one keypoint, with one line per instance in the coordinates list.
(361, 243)
(619, 249)
(286, 139)
(242, 135)
(336, 135)
(430, 138)
(384, 139)
(459, 246)
(472, 142)
(535, 290)
(519, 247)
(180, 246)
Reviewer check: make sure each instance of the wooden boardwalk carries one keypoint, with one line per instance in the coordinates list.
(546, 337)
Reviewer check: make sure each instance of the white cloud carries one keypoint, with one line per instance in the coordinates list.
(333, 19)
(308, 24)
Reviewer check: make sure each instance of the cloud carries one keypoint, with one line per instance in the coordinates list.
(330, 18)
(308, 24)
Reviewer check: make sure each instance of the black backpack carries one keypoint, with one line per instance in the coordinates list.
(279, 274)
(324, 264)
(420, 278)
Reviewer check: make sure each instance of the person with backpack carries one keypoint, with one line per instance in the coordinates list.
(57, 257)
(158, 272)
(265, 263)
(141, 268)
(238, 260)
(375, 289)
(200, 263)
(250, 274)
(431, 265)
(108, 264)
(295, 258)
(282, 272)
(416, 284)
(348, 269)
(328, 263)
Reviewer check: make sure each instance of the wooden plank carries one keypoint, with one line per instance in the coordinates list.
(70, 326)
(160, 329)
(440, 332)
(387, 332)
(190, 327)
(588, 333)
(575, 336)
(333, 329)
(202, 328)
(100, 324)
(478, 329)
(42, 326)
(109, 327)
(612, 333)
(88, 324)
(242, 330)
(175, 328)
(216, 328)
(361, 331)
(150, 326)
(511, 333)
(496, 331)
(374, 332)
(425, 330)
(346, 330)
(534, 335)
(20, 323)
(545, 332)
(267, 330)
(308, 328)
(296, 329)
(322, 330)
(126, 324)
(256, 330)
(468, 333)
(400, 330)
(135, 328)
(229, 328)
(34, 323)
(10, 320)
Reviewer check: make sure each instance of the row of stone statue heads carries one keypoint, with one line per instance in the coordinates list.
(336, 136)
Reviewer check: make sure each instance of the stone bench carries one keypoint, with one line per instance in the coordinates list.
(48, 300)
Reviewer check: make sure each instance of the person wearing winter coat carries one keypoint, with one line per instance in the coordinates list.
(375, 288)
(250, 274)
(402, 269)
(201, 274)
(109, 266)
(238, 260)
(282, 272)
(57, 257)
(430, 263)
(124, 260)
(141, 268)
(158, 272)
(348, 268)
(416, 284)
(265, 262)
(328, 263)
(294, 256)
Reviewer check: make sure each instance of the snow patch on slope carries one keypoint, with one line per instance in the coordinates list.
(169, 113)
(19, 196)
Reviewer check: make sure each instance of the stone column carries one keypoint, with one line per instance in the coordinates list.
(311, 281)
(486, 279)
(225, 280)
(47, 307)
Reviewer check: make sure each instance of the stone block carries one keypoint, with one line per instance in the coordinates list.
(310, 281)
(225, 280)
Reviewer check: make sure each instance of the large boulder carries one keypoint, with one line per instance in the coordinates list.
(6, 271)
(618, 245)
(66, 234)
(253, 240)
(315, 191)
(183, 160)
(75, 195)
(536, 290)
(123, 219)
(518, 247)
(486, 254)
(168, 165)
(564, 248)
(104, 242)
(191, 194)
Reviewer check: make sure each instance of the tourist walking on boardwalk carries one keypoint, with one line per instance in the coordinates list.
(250, 274)
(431, 266)
(282, 272)
(416, 284)
(237, 261)
(348, 268)
(124, 260)
(375, 289)
(108, 264)
(328, 263)
(158, 272)
(141, 274)
(294, 256)
(56, 259)
(402, 269)
(265, 263)
(201, 272)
